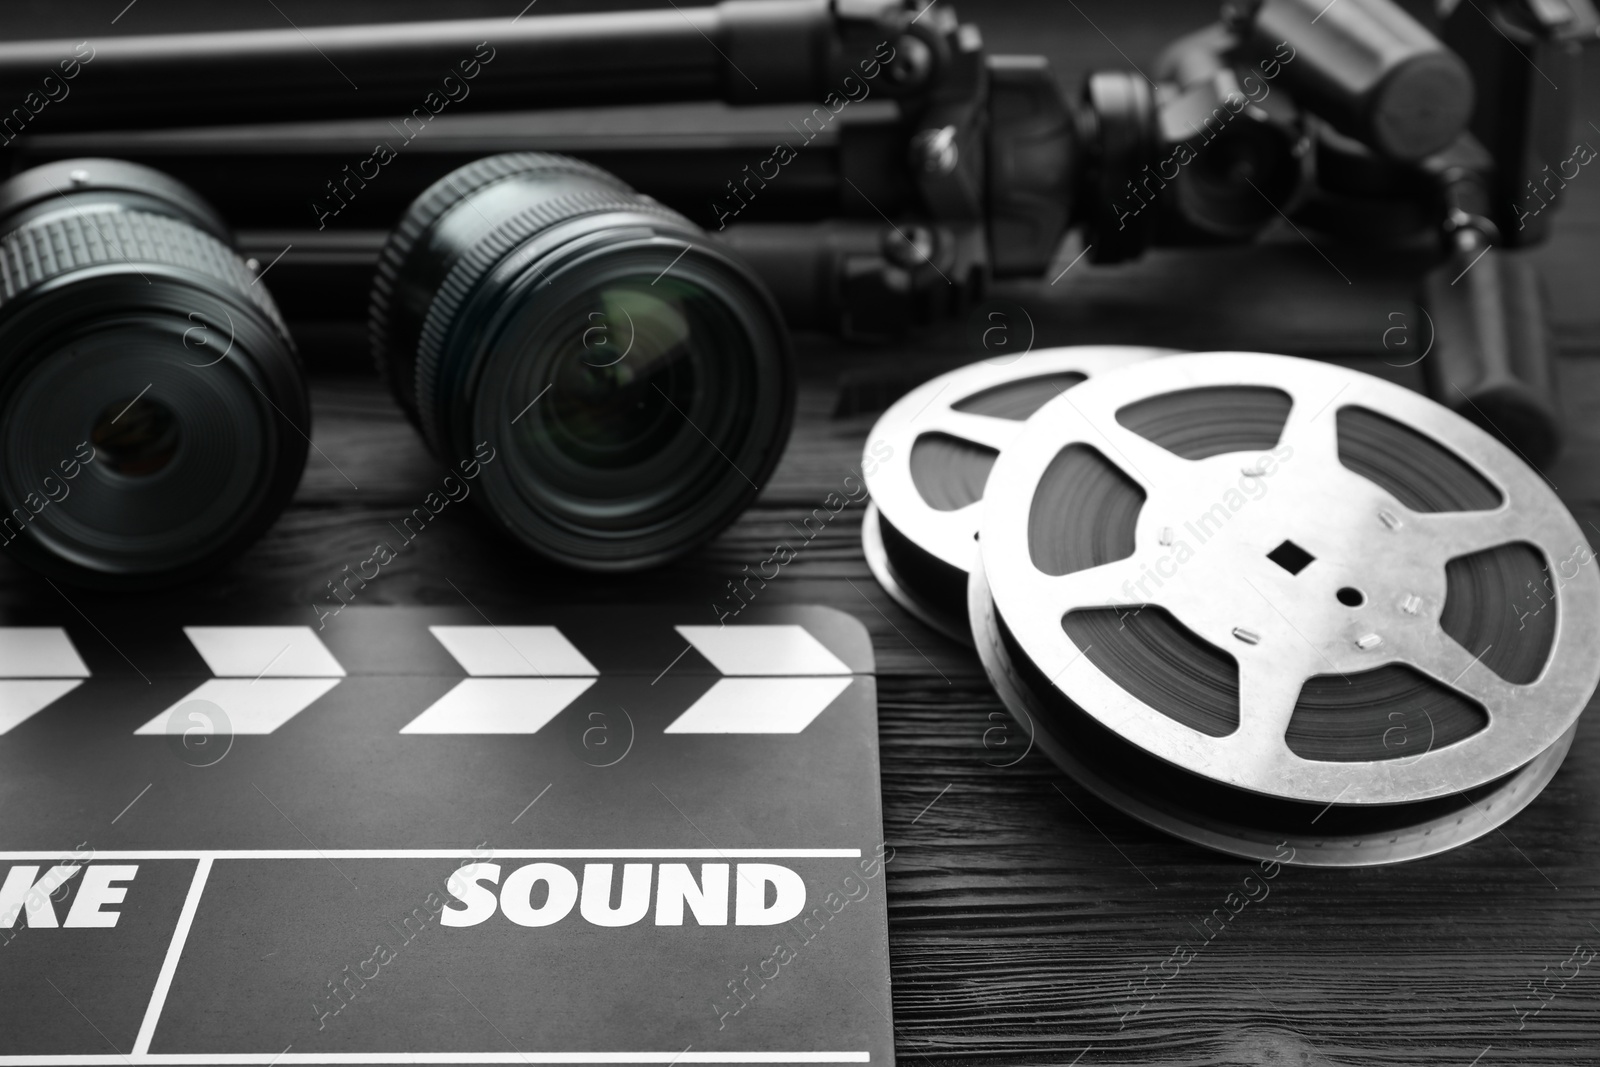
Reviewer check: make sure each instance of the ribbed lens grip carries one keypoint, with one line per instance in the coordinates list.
(394, 366)
(50, 247)
(462, 281)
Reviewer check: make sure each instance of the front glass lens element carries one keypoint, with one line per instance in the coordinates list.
(612, 395)
(627, 401)
(102, 433)
(135, 438)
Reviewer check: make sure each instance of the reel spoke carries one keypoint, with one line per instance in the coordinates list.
(1268, 691)
(1451, 665)
(1139, 458)
(1461, 533)
(1312, 430)
(1105, 586)
(983, 430)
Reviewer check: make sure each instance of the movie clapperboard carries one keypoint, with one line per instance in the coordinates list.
(566, 836)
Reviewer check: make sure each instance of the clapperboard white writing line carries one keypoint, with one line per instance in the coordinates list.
(169, 965)
(169, 1058)
(449, 854)
(191, 905)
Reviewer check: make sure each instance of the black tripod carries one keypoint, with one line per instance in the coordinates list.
(927, 167)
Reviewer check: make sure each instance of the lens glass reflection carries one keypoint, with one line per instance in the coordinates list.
(629, 398)
(618, 375)
(135, 438)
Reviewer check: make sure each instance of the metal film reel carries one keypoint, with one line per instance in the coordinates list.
(1252, 599)
(928, 456)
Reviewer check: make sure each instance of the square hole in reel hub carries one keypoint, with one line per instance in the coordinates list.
(1291, 557)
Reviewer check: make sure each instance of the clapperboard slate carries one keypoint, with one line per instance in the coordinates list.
(597, 835)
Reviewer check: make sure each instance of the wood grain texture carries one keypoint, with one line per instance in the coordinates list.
(1029, 921)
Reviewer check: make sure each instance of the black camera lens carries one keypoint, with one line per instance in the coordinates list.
(630, 381)
(153, 414)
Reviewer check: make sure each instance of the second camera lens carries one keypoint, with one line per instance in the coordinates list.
(633, 381)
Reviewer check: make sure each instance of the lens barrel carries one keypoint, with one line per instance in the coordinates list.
(631, 381)
(153, 413)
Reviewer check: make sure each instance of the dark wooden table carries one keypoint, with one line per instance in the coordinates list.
(1029, 922)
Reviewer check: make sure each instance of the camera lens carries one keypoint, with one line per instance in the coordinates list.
(152, 410)
(629, 380)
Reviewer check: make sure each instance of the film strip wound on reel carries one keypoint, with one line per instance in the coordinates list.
(1275, 593)
(929, 455)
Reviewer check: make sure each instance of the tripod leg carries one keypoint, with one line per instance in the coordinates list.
(1493, 360)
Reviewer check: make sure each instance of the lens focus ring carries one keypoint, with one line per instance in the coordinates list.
(49, 247)
(393, 299)
(464, 278)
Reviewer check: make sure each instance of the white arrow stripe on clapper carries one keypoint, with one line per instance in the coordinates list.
(782, 678)
(266, 675)
(759, 706)
(38, 666)
(498, 706)
(513, 651)
(522, 677)
(782, 650)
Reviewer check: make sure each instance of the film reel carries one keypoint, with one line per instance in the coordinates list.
(928, 456)
(1255, 600)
